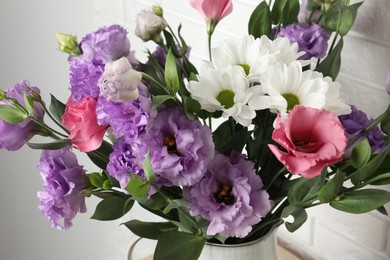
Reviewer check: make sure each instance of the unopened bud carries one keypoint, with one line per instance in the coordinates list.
(158, 10)
(68, 44)
(35, 96)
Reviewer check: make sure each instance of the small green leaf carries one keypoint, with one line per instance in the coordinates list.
(107, 185)
(150, 230)
(110, 208)
(290, 12)
(11, 114)
(330, 190)
(148, 169)
(191, 107)
(158, 100)
(176, 245)
(381, 179)
(260, 21)
(330, 66)
(170, 74)
(340, 18)
(97, 179)
(361, 201)
(299, 214)
(57, 108)
(137, 188)
(174, 204)
(369, 169)
(277, 11)
(361, 154)
(29, 104)
(56, 145)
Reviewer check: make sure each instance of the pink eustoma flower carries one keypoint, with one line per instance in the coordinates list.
(212, 10)
(312, 139)
(80, 119)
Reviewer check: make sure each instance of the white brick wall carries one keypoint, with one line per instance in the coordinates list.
(328, 234)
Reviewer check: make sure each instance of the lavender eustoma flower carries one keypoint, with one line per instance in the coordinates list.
(355, 122)
(14, 136)
(107, 44)
(63, 182)
(84, 77)
(311, 38)
(230, 195)
(123, 162)
(180, 149)
(127, 119)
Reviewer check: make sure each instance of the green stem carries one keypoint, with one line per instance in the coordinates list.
(276, 176)
(158, 84)
(52, 118)
(209, 45)
(333, 43)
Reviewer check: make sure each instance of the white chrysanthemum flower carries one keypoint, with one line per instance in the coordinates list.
(225, 90)
(254, 56)
(334, 101)
(285, 86)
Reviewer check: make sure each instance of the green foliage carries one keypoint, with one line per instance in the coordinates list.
(112, 208)
(330, 190)
(99, 180)
(29, 104)
(148, 169)
(340, 18)
(260, 21)
(330, 66)
(159, 100)
(299, 214)
(285, 12)
(56, 108)
(175, 245)
(137, 187)
(11, 114)
(55, 145)
(361, 201)
(150, 230)
(170, 73)
(361, 154)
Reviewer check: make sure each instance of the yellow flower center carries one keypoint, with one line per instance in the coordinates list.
(292, 100)
(226, 98)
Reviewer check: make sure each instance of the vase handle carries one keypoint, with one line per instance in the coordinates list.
(131, 248)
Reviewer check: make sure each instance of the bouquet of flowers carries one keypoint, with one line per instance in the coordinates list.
(224, 152)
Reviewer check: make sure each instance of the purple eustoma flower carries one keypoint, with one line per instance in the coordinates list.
(107, 44)
(126, 119)
(84, 77)
(311, 38)
(14, 136)
(230, 195)
(354, 123)
(123, 162)
(63, 182)
(180, 149)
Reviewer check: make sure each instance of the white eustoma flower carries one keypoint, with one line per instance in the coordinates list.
(119, 81)
(225, 90)
(285, 86)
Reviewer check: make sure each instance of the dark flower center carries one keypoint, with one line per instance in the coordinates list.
(170, 143)
(224, 195)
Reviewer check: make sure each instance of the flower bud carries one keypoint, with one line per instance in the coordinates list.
(149, 26)
(68, 44)
(158, 10)
(120, 81)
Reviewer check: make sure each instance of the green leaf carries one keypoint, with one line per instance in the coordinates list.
(277, 11)
(11, 114)
(155, 202)
(158, 100)
(176, 245)
(191, 107)
(361, 201)
(110, 208)
(137, 188)
(107, 185)
(56, 145)
(221, 134)
(170, 74)
(174, 204)
(361, 154)
(29, 104)
(340, 18)
(304, 191)
(330, 66)
(148, 169)
(260, 21)
(57, 108)
(100, 156)
(236, 142)
(290, 12)
(150, 230)
(299, 214)
(382, 179)
(368, 169)
(97, 179)
(332, 187)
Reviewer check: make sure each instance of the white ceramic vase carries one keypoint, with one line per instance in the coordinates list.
(264, 248)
